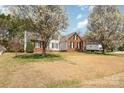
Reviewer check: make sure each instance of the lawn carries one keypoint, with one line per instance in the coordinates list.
(62, 69)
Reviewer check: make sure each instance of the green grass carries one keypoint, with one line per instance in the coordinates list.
(37, 57)
(66, 83)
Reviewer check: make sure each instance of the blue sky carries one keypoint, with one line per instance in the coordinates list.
(77, 18)
(77, 15)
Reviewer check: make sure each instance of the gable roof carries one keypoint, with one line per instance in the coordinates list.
(65, 38)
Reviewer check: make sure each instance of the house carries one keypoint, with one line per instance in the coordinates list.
(54, 43)
(71, 42)
(75, 43)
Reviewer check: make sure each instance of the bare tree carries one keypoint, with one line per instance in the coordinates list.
(44, 20)
(15, 45)
(105, 25)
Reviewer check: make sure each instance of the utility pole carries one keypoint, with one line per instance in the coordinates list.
(25, 41)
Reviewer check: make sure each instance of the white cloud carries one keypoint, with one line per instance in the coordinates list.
(83, 7)
(3, 9)
(82, 24)
(91, 8)
(79, 16)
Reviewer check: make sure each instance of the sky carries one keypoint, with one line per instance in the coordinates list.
(77, 18)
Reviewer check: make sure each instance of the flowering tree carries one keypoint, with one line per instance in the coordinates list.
(106, 26)
(44, 20)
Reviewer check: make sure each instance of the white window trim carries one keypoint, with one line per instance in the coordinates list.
(75, 37)
(37, 44)
(72, 45)
(78, 45)
(55, 45)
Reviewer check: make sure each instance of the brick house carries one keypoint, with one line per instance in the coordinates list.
(71, 42)
(74, 42)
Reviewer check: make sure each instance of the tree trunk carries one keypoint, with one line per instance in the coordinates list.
(16, 54)
(44, 49)
(112, 49)
(104, 49)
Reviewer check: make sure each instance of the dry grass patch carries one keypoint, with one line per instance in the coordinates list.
(66, 83)
(61, 70)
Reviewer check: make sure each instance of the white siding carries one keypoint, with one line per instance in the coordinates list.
(37, 44)
(63, 46)
(54, 45)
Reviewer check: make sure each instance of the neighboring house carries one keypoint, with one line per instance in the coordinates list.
(71, 42)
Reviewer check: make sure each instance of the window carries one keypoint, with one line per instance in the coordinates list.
(78, 45)
(55, 45)
(71, 44)
(52, 45)
(37, 44)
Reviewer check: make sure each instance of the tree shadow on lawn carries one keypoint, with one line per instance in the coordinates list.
(39, 57)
